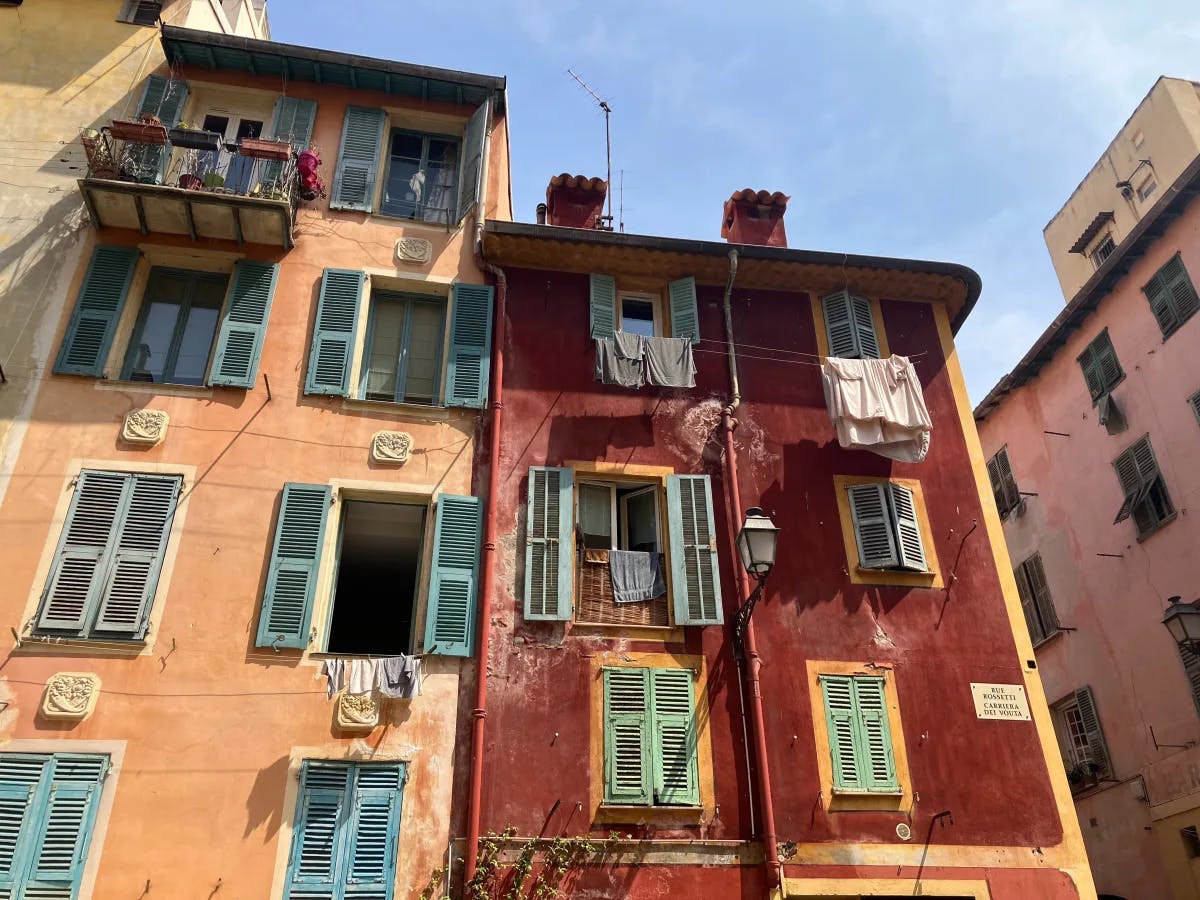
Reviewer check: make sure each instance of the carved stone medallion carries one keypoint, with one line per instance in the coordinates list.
(145, 426)
(414, 250)
(391, 447)
(71, 695)
(357, 712)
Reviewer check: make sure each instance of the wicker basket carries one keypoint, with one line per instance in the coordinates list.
(594, 603)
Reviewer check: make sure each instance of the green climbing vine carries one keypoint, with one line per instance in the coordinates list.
(497, 880)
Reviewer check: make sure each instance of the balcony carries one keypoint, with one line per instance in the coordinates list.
(183, 181)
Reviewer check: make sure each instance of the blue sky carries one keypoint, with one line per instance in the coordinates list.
(943, 129)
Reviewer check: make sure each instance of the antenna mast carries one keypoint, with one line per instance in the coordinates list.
(607, 140)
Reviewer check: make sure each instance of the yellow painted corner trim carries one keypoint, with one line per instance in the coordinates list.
(854, 888)
(858, 575)
(1071, 849)
(841, 802)
(818, 315)
(651, 815)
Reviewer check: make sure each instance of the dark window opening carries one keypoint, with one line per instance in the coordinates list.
(637, 316)
(173, 337)
(422, 177)
(378, 565)
(618, 517)
(1191, 841)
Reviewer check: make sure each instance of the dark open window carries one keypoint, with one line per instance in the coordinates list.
(422, 177)
(378, 568)
(1146, 498)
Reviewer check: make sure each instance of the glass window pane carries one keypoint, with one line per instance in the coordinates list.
(441, 181)
(404, 188)
(383, 356)
(194, 348)
(637, 317)
(595, 516)
(147, 360)
(424, 349)
(643, 530)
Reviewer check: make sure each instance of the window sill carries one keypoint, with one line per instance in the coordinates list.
(642, 815)
(615, 631)
(391, 408)
(64, 645)
(1037, 645)
(1146, 535)
(866, 801)
(198, 391)
(896, 577)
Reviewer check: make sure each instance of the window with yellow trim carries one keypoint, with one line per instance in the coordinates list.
(886, 530)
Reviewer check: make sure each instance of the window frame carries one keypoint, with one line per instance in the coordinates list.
(194, 277)
(1178, 320)
(1146, 189)
(656, 307)
(409, 299)
(930, 578)
(1150, 490)
(1095, 351)
(1103, 248)
(390, 130)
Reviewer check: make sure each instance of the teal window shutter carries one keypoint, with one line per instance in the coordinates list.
(872, 526)
(47, 814)
(164, 98)
(334, 332)
(470, 184)
(295, 559)
(676, 775)
(358, 159)
(877, 763)
(97, 308)
(1097, 746)
(293, 122)
(244, 324)
(450, 618)
(850, 326)
(841, 723)
(374, 829)
(470, 346)
(549, 544)
(1101, 368)
(627, 760)
(685, 319)
(695, 577)
(1037, 633)
(908, 529)
(1172, 295)
(1004, 483)
(317, 858)
(603, 309)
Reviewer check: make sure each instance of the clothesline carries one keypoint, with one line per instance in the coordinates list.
(794, 362)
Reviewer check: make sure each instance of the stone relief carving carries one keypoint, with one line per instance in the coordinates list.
(391, 447)
(414, 250)
(145, 426)
(357, 712)
(71, 695)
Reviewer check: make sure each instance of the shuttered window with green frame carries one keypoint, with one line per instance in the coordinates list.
(1004, 483)
(650, 741)
(695, 576)
(334, 332)
(1146, 499)
(454, 580)
(860, 739)
(887, 526)
(98, 306)
(1036, 600)
(243, 326)
(357, 169)
(295, 560)
(1172, 296)
(1101, 369)
(347, 831)
(850, 326)
(48, 806)
(104, 574)
(469, 368)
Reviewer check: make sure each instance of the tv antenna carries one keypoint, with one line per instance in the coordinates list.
(607, 140)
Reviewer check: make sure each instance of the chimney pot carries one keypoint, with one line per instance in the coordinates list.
(755, 217)
(541, 213)
(573, 201)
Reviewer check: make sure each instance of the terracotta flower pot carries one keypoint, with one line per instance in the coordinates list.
(138, 132)
(259, 148)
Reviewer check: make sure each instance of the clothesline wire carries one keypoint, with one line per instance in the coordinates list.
(818, 356)
(791, 362)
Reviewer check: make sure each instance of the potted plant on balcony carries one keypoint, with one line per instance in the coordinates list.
(146, 130)
(183, 135)
(262, 148)
(1084, 774)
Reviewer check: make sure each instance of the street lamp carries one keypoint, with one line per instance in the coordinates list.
(756, 544)
(1183, 622)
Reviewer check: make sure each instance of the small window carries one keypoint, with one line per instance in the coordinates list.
(1191, 841)
(403, 352)
(886, 526)
(1085, 752)
(176, 327)
(1004, 485)
(1172, 296)
(860, 740)
(50, 804)
(1101, 369)
(141, 12)
(850, 326)
(1139, 140)
(640, 315)
(1036, 601)
(1146, 498)
(422, 177)
(347, 830)
(378, 561)
(650, 738)
(1146, 189)
(1104, 249)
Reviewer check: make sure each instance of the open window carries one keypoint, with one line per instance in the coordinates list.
(618, 525)
(421, 179)
(641, 314)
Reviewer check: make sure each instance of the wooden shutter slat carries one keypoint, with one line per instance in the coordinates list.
(450, 619)
(864, 327)
(549, 544)
(685, 317)
(470, 363)
(1097, 746)
(1028, 604)
(334, 332)
(602, 306)
(65, 831)
(872, 526)
(358, 160)
(244, 324)
(98, 306)
(627, 764)
(910, 547)
(295, 560)
(292, 122)
(373, 834)
(1158, 293)
(877, 762)
(695, 577)
(470, 182)
(165, 99)
(1040, 591)
(1012, 494)
(839, 326)
(317, 852)
(838, 694)
(672, 704)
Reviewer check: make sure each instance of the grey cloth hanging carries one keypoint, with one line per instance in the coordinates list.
(334, 670)
(670, 362)
(615, 366)
(636, 576)
(399, 677)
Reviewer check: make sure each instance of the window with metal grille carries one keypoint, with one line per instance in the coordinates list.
(1004, 485)
(1172, 295)
(1146, 498)
(1101, 369)
(1036, 601)
(141, 12)
(1103, 250)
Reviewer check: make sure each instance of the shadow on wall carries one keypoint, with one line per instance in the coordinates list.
(263, 806)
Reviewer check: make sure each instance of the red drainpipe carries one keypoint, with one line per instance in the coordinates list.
(479, 713)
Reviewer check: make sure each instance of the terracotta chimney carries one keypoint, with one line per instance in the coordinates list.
(755, 217)
(573, 201)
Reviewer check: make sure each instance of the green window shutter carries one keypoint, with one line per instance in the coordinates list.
(1097, 747)
(244, 324)
(358, 160)
(872, 526)
(673, 748)
(627, 760)
(1107, 362)
(77, 574)
(1091, 371)
(1158, 292)
(864, 327)
(841, 721)
(334, 332)
(1191, 667)
(1028, 605)
(470, 346)
(997, 482)
(164, 98)
(876, 757)
(374, 829)
(602, 314)
(68, 817)
(1011, 493)
(695, 578)
(908, 528)
(1040, 591)
(685, 319)
(318, 851)
(840, 326)
(295, 558)
(97, 308)
(293, 122)
(470, 181)
(450, 618)
(139, 544)
(1179, 286)
(549, 544)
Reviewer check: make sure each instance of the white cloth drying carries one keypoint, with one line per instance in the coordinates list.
(361, 675)
(877, 405)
